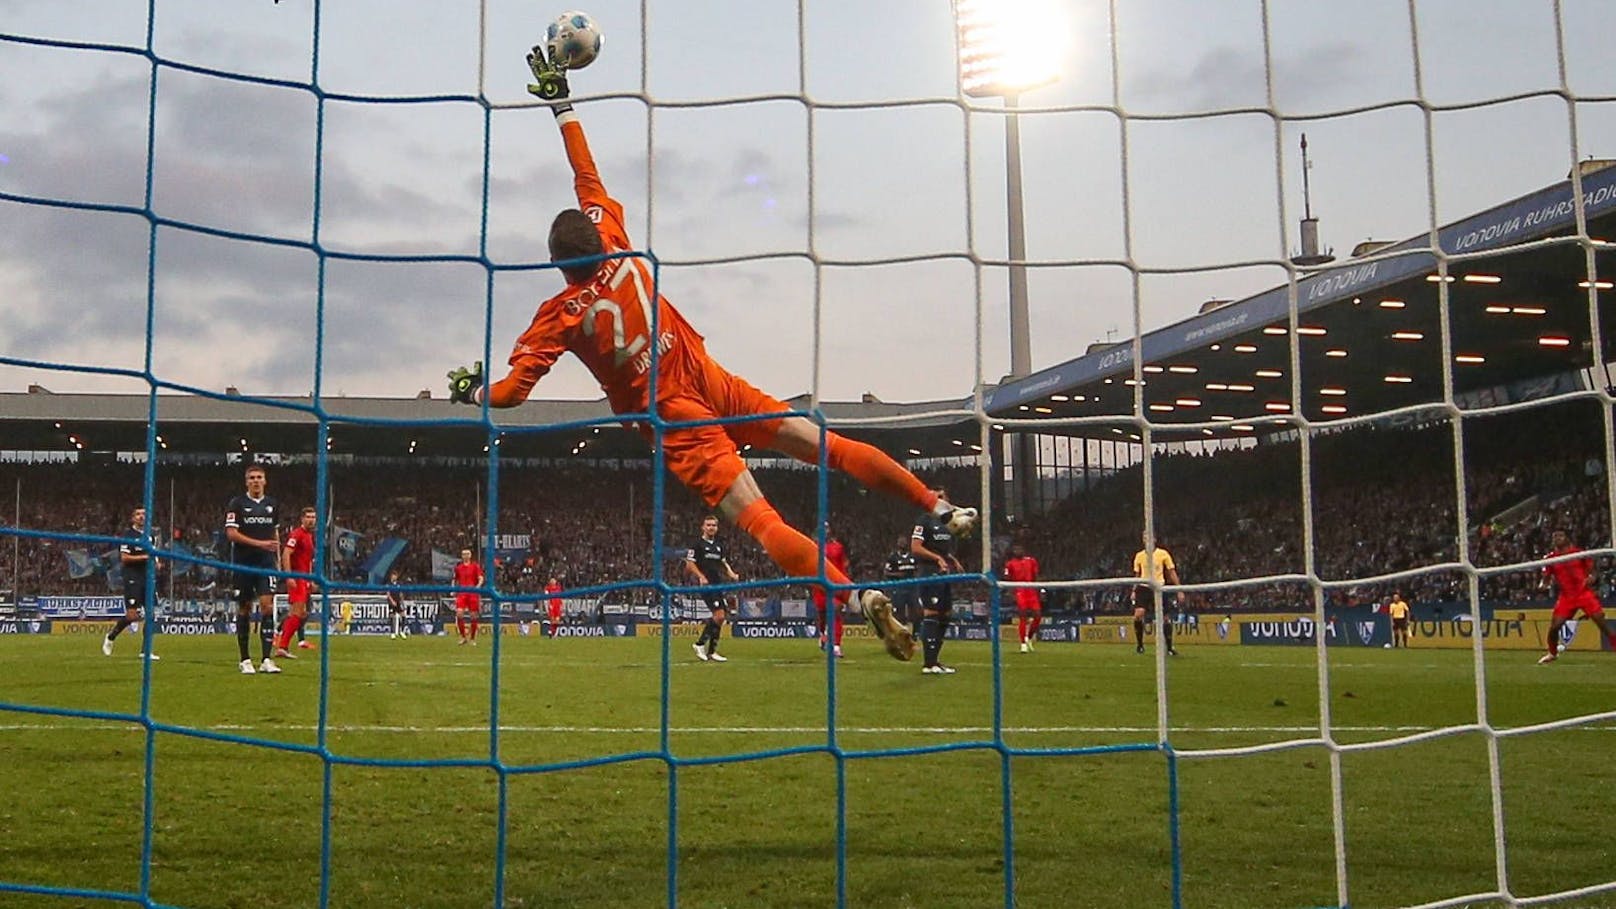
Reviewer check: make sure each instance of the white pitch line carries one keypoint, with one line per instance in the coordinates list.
(745, 730)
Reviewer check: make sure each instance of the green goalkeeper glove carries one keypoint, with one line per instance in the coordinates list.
(463, 383)
(550, 81)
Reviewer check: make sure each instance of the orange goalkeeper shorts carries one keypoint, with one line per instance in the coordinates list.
(704, 458)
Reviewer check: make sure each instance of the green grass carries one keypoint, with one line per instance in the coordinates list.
(240, 825)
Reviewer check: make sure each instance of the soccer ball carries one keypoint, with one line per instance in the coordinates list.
(573, 40)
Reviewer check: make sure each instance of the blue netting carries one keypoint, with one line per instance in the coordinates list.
(494, 432)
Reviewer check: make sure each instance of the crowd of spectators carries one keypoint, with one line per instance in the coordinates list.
(1380, 501)
(587, 525)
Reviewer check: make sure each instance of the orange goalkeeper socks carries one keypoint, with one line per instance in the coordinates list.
(872, 467)
(786, 546)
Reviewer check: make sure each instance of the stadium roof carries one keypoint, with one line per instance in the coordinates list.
(1369, 330)
(43, 421)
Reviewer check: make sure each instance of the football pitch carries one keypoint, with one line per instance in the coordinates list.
(587, 808)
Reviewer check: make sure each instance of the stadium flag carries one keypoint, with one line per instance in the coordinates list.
(344, 545)
(442, 565)
(80, 564)
(382, 557)
(177, 567)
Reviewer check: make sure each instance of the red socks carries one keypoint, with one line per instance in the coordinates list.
(289, 628)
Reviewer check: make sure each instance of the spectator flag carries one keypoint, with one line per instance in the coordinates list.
(442, 566)
(382, 557)
(80, 564)
(344, 545)
(177, 567)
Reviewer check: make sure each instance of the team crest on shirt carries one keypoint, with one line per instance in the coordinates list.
(594, 213)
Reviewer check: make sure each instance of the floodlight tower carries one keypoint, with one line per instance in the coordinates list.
(1005, 49)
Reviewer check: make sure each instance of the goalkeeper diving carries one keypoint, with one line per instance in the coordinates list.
(604, 317)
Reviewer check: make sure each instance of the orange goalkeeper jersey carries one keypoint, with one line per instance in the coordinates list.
(606, 321)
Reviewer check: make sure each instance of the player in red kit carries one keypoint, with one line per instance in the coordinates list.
(467, 573)
(604, 317)
(1572, 578)
(835, 559)
(554, 589)
(1023, 568)
(297, 555)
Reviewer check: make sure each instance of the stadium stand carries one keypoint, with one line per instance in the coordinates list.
(1229, 514)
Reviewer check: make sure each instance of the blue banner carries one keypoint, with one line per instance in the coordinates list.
(1362, 630)
(191, 624)
(381, 559)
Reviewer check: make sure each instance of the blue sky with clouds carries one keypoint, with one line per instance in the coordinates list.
(810, 146)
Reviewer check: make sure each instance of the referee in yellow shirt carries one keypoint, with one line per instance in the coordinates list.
(1152, 566)
(1399, 611)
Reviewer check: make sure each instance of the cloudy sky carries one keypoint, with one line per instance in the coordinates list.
(774, 156)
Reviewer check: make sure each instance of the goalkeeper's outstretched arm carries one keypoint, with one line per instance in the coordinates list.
(550, 85)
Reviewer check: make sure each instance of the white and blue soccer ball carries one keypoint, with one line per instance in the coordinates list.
(573, 40)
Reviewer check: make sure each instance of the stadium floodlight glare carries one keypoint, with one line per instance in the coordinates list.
(1554, 341)
(1336, 352)
(1006, 47)
(1597, 285)
(1483, 279)
(1392, 304)
(1469, 358)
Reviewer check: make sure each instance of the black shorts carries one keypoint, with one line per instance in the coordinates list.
(134, 596)
(248, 587)
(395, 608)
(715, 601)
(1399, 624)
(937, 597)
